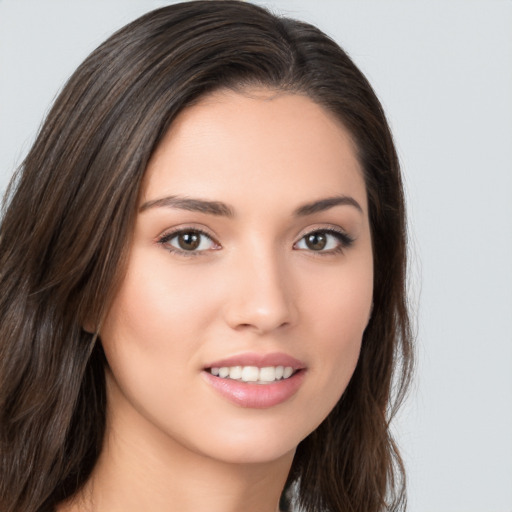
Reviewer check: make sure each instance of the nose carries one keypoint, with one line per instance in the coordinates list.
(261, 297)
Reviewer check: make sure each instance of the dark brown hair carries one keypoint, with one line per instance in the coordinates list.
(67, 222)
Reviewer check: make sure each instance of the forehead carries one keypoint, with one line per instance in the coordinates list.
(256, 140)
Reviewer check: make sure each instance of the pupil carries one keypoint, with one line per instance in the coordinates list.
(316, 241)
(189, 241)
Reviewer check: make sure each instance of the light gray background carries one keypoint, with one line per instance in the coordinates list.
(443, 70)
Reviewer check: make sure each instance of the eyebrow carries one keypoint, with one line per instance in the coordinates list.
(193, 205)
(222, 209)
(325, 204)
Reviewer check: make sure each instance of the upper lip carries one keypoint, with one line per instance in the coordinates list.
(259, 360)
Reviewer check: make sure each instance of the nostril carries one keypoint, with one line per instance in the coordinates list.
(262, 327)
(262, 303)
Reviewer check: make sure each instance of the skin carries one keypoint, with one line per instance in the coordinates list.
(173, 442)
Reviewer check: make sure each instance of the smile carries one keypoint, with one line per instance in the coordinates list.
(256, 380)
(253, 374)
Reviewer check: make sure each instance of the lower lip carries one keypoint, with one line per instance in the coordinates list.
(256, 396)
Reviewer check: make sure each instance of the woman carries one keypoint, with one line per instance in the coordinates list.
(202, 272)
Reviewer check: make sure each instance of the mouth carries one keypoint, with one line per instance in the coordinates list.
(253, 374)
(257, 381)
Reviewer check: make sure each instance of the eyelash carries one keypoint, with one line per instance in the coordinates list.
(343, 239)
(167, 237)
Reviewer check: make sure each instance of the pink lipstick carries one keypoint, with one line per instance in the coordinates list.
(256, 380)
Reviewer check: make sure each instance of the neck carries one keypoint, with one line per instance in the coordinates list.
(141, 468)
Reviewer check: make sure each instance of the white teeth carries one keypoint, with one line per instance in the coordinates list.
(287, 372)
(250, 374)
(268, 374)
(223, 372)
(235, 372)
(263, 375)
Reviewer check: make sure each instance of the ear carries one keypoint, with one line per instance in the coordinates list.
(88, 328)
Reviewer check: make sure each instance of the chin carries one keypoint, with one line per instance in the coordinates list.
(258, 442)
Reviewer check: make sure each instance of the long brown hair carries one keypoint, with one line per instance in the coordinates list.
(67, 221)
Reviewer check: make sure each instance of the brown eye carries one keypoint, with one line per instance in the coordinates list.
(189, 241)
(316, 241)
(324, 241)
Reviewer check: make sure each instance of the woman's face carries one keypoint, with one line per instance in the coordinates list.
(251, 260)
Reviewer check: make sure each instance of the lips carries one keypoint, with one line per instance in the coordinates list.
(259, 360)
(256, 380)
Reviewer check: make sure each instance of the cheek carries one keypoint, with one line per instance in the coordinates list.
(339, 302)
(338, 316)
(156, 308)
(151, 333)
(150, 338)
